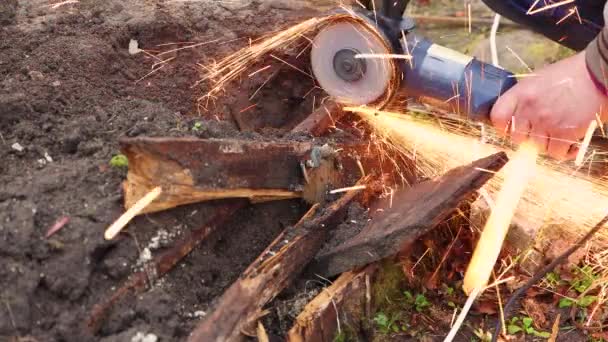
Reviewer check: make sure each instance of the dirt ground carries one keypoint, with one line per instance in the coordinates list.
(69, 89)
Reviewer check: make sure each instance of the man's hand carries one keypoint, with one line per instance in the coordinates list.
(552, 109)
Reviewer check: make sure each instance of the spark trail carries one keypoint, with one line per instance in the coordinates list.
(558, 199)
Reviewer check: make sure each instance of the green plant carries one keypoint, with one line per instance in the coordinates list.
(584, 278)
(482, 335)
(388, 324)
(197, 126)
(517, 325)
(582, 302)
(421, 303)
(565, 303)
(553, 279)
(119, 161)
(418, 302)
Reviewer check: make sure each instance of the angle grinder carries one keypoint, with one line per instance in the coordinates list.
(365, 56)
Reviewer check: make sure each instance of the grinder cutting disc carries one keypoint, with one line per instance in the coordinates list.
(348, 79)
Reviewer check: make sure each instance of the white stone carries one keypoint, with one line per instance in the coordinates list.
(141, 337)
(134, 47)
(17, 147)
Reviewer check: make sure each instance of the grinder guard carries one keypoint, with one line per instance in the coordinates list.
(437, 75)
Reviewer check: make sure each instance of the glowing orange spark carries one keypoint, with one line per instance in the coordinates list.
(532, 11)
(259, 70)
(518, 172)
(585, 144)
(291, 65)
(382, 56)
(248, 108)
(570, 13)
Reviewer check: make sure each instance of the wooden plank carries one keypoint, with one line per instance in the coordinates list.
(321, 120)
(191, 170)
(414, 212)
(270, 273)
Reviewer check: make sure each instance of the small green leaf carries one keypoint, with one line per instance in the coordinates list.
(408, 295)
(197, 126)
(565, 303)
(527, 322)
(451, 304)
(513, 329)
(586, 301)
(421, 302)
(543, 334)
(552, 278)
(381, 319)
(119, 161)
(449, 290)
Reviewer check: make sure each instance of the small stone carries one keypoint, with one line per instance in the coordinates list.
(48, 157)
(199, 313)
(141, 337)
(134, 47)
(36, 75)
(56, 84)
(17, 147)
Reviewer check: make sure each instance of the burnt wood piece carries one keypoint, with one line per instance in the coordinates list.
(321, 120)
(344, 300)
(270, 273)
(191, 170)
(414, 212)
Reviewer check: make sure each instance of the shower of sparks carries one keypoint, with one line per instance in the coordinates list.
(232, 66)
(558, 198)
(517, 173)
(532, 11)
(188, 47)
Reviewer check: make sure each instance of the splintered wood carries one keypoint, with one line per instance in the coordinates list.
(193, 170)
(517, 174)
(270, 273)
(415, 211)
(133, 211)
(321, 318)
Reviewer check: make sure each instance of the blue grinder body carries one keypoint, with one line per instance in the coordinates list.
(443, 77)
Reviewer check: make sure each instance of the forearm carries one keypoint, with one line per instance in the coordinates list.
(596, 56)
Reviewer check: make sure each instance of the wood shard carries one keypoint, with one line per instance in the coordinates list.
(415, 211)
(270, 273)
(343, 301)
(133, 211)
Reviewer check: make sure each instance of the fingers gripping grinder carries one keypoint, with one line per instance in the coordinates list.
(363, 57)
